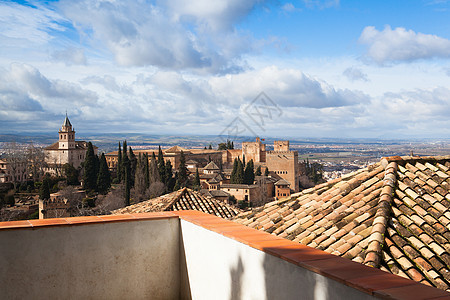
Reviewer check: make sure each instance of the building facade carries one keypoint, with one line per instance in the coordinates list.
(66, 151)
(13, 172)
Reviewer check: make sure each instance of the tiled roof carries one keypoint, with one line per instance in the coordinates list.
(211, 166)
(282, 182)
(393, 215)
(78, 145)
(176, 149)
(239, 186)
(184, 199)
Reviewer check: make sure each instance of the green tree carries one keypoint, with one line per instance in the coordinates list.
(71, 174)
(234, 171)
(161, 166)
(197, 184)
(140, 180)
(127, 178)
(90, 169)
(119, 165)
(44, 191)
(133, 164)
(146, 171)
(124, 153)
(104, 177)
(153, 171)
(240, 172)
(9, 198)
(227, 145)
(182, 170)
(258, 171)
(266, 172)
(237, 174)
(210, 146)
(168, 172)
(249, 173)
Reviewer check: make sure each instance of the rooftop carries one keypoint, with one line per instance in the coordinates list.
(393, 216)
(179, 255)
(184, 199)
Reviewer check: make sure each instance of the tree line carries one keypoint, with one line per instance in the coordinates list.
(148, 177)
(244, 173)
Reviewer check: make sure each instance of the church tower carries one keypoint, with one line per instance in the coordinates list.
(66, 135)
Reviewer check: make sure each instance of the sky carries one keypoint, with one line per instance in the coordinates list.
(297, 69)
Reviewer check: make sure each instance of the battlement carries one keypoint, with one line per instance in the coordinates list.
(281, 152)
(281, 145)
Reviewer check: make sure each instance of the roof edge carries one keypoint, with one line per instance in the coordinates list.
(379, 225)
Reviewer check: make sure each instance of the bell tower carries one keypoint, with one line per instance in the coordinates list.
(66, 135)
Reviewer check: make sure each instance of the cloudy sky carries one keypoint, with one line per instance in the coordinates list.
(306, 68)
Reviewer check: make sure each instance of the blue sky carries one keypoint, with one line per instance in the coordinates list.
(330, 68)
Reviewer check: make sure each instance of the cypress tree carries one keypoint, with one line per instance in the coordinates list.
(182, 170)
(258, 171)
(153, 170)
(240, 172)
(161, 166)
(133, 164)
(119, 164)
(146, 171)
(90, 169)
(243, 161)
(104, 177)
(249, 173)
(168, 172)
(197, 180)
(266, 172)
(139, 181)
(127, 178)
(44, 191)
(124, 153)
(127, 187)
(233, 173)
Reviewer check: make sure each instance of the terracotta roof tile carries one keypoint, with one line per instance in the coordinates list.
(184, 199)
(394, 215)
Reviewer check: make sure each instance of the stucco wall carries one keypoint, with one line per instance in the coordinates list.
(123, 260)
(222, 268)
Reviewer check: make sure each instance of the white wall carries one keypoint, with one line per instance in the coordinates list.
(222, 268)
(123, 260)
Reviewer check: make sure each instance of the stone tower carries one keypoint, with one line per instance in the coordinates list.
(66, 135)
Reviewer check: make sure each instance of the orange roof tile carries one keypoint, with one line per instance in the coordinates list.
(183, 199)
(393, 215)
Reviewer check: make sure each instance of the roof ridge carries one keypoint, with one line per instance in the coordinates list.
(380, 221)
(177, 198)
(407, 159)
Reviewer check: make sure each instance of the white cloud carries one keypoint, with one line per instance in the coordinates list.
(210, 15)
(399, 45)
(355, 74)
(195, 35)
(287, 87)
(70, 56)
(30, 23)
(25, 88)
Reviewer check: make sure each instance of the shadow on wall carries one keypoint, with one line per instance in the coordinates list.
(291, 281)
(236, 280)
(282, 280)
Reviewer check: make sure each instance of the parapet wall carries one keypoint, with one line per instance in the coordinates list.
(179, 255)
